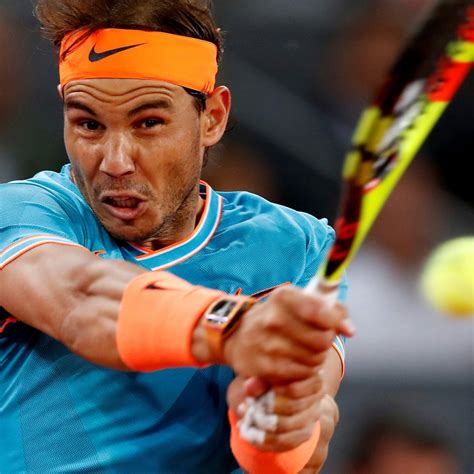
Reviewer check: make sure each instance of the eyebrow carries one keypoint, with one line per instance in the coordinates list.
(75, 105)
(157, 104)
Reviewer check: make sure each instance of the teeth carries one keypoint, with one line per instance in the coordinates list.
(124, 202)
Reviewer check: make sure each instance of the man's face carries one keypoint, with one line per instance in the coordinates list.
(136, 148)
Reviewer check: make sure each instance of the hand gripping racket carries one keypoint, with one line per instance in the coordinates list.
(390, 132)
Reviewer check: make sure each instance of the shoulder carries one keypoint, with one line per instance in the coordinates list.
(272, 220)
(44, 183)
(286, 241)
(43, 209)
(47, 188)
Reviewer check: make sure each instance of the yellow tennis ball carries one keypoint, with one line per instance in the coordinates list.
(447, 280)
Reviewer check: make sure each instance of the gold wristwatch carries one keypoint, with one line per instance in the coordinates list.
(221, 319)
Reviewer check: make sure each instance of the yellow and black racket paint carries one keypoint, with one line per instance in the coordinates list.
(392, 129)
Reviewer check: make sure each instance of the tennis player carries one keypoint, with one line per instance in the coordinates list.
(124, 320)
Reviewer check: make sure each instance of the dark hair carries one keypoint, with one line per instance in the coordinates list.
(192, 18)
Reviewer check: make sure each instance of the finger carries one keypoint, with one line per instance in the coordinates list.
(285, 441)
(236, 394)
(283, 424)
(255, 387)
(277, 405)
(313, 310)
(332, 407)
(292, 431)
(298, 421)
(308, 337)
(277, 414)
(296, 303)
(290, 346)
(287, 407)
(345, 327)
(281, 370)
(302, 388)
(333, 317)
(292, 398)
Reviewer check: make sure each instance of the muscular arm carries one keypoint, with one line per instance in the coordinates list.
(75, 297)
(71, 295)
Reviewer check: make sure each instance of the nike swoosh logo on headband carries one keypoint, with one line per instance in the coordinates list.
(94, 56)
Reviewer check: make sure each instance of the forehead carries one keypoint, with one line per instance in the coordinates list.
(123, 91)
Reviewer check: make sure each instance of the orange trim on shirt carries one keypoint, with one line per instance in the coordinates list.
(25, 239)
(201, 223)
(6, 323)
(196, 250)
(264, 293)
(73, 178)
(27, 249)
(341, 358)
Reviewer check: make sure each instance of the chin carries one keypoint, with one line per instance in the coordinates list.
(136, 231)
(126, 232)
(125, 236)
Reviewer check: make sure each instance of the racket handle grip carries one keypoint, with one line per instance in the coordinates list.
(316, 286)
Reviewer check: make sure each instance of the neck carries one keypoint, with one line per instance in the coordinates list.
(180, 225)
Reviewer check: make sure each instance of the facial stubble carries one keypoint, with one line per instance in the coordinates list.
(186, 199)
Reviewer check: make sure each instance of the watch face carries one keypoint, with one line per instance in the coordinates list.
(220, 312)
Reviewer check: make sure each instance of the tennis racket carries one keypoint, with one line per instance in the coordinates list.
(390, 132)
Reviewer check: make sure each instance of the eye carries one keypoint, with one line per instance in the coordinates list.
(150, 123)
(90, 125)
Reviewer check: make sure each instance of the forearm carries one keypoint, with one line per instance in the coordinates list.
(83, 301)
(89, 330)
(70, 295)
(151, 323)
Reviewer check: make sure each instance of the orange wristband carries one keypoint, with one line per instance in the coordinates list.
(157, 319)
(267, 462)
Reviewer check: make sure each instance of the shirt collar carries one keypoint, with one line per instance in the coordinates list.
(183, 250)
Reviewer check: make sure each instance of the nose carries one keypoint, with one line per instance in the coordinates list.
(117, 159)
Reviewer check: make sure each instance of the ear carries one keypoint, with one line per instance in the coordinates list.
(216, 116)
(60, 91)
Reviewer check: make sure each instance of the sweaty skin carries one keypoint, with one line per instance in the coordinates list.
(137, 149)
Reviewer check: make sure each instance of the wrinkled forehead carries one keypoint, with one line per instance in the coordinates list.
(116, 87)
(125, 97)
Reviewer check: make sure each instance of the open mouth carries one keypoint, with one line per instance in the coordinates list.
(129, 203)
(124, 207)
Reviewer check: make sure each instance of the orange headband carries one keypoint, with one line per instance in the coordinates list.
(137, 54)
